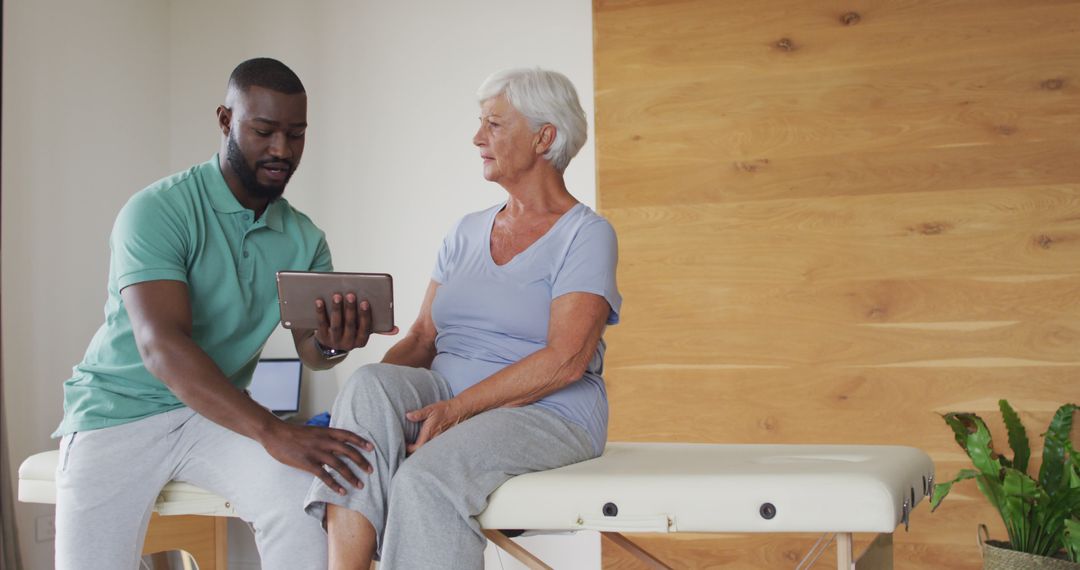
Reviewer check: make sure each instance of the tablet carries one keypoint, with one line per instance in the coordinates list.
(297, 291)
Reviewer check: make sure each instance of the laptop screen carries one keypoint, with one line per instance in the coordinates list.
(276, 384)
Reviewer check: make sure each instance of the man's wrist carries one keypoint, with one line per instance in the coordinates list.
(327, 352)
(265, 428)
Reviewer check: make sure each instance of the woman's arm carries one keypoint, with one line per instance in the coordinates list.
(417, 348)
(574, 329)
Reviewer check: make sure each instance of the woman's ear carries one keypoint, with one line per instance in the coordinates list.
(545, 138)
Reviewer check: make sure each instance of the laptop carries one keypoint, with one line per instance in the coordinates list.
(276, 385)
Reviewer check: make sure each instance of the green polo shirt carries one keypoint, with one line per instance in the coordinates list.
(189, 227)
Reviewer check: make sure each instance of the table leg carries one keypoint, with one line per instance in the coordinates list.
(516, 550)
(843, 551)
(640, 553)
(877, 556)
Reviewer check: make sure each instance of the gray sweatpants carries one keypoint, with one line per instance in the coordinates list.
(422, 507)
(107, 480)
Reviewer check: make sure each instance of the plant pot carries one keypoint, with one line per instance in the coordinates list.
(997, 555)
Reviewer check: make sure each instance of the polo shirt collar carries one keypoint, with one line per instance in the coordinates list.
(273, 213)
(223, 200)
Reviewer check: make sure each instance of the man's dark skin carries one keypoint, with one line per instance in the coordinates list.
(268, 129)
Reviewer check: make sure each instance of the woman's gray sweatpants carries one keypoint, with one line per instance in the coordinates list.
(422, 507)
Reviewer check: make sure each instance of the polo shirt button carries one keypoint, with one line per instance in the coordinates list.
(245, 253)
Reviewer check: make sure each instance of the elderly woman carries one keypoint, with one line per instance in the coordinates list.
(501, 372)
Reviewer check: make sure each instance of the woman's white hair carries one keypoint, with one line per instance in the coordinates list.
(544, 97)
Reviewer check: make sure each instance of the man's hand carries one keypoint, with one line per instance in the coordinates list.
(345, 324)
(309, 448)
(437, 418)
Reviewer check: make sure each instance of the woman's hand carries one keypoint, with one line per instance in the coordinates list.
(436, 418)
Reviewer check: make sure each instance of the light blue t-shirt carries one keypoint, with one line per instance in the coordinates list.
(489, 316)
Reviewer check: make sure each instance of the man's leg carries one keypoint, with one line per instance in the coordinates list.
(440, 488)
(106, 483)
(265, 493)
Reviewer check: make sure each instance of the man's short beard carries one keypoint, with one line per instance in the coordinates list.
(246, 174)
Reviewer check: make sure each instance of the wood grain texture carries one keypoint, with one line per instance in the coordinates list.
(204, 538)
(838, 221)
(859, 173)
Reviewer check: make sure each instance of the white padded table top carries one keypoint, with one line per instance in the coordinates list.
(661, 487)
(672, 487)
(37, 478)
(37, 484)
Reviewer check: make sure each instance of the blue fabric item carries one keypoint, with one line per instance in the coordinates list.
(490, 316)
(321, 420)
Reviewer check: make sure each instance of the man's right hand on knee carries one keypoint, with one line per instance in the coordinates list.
(312, 449)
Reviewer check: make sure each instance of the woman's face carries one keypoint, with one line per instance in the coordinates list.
(506, 144)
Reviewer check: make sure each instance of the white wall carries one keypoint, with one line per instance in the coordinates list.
(102, 97)
(85, 111)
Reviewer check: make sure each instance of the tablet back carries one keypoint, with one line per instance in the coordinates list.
(297, 291)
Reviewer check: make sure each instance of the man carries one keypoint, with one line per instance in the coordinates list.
(191, 301)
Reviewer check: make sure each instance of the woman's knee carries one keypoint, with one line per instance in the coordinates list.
(364, 381)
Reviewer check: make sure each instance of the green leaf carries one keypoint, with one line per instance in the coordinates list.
(1020, 500)
(1052, 474)
(979, 446)
(960, 431)
(1041, 516)
(1071, 539)
(1050, 519)
(1066, 504)
(942, 489)
(1018, 439)
(990, 487)
(1074, 460)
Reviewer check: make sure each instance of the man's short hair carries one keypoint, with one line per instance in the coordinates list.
(268, 73)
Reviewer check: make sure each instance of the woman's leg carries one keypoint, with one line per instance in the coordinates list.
(351, 539)
(373, 404)
(437, 492)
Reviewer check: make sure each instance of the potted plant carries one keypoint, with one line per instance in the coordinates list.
(1042, 516)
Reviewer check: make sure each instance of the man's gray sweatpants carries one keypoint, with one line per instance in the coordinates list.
(422, 507)
(107, 480)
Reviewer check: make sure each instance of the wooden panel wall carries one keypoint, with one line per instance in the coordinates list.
(838, 220)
